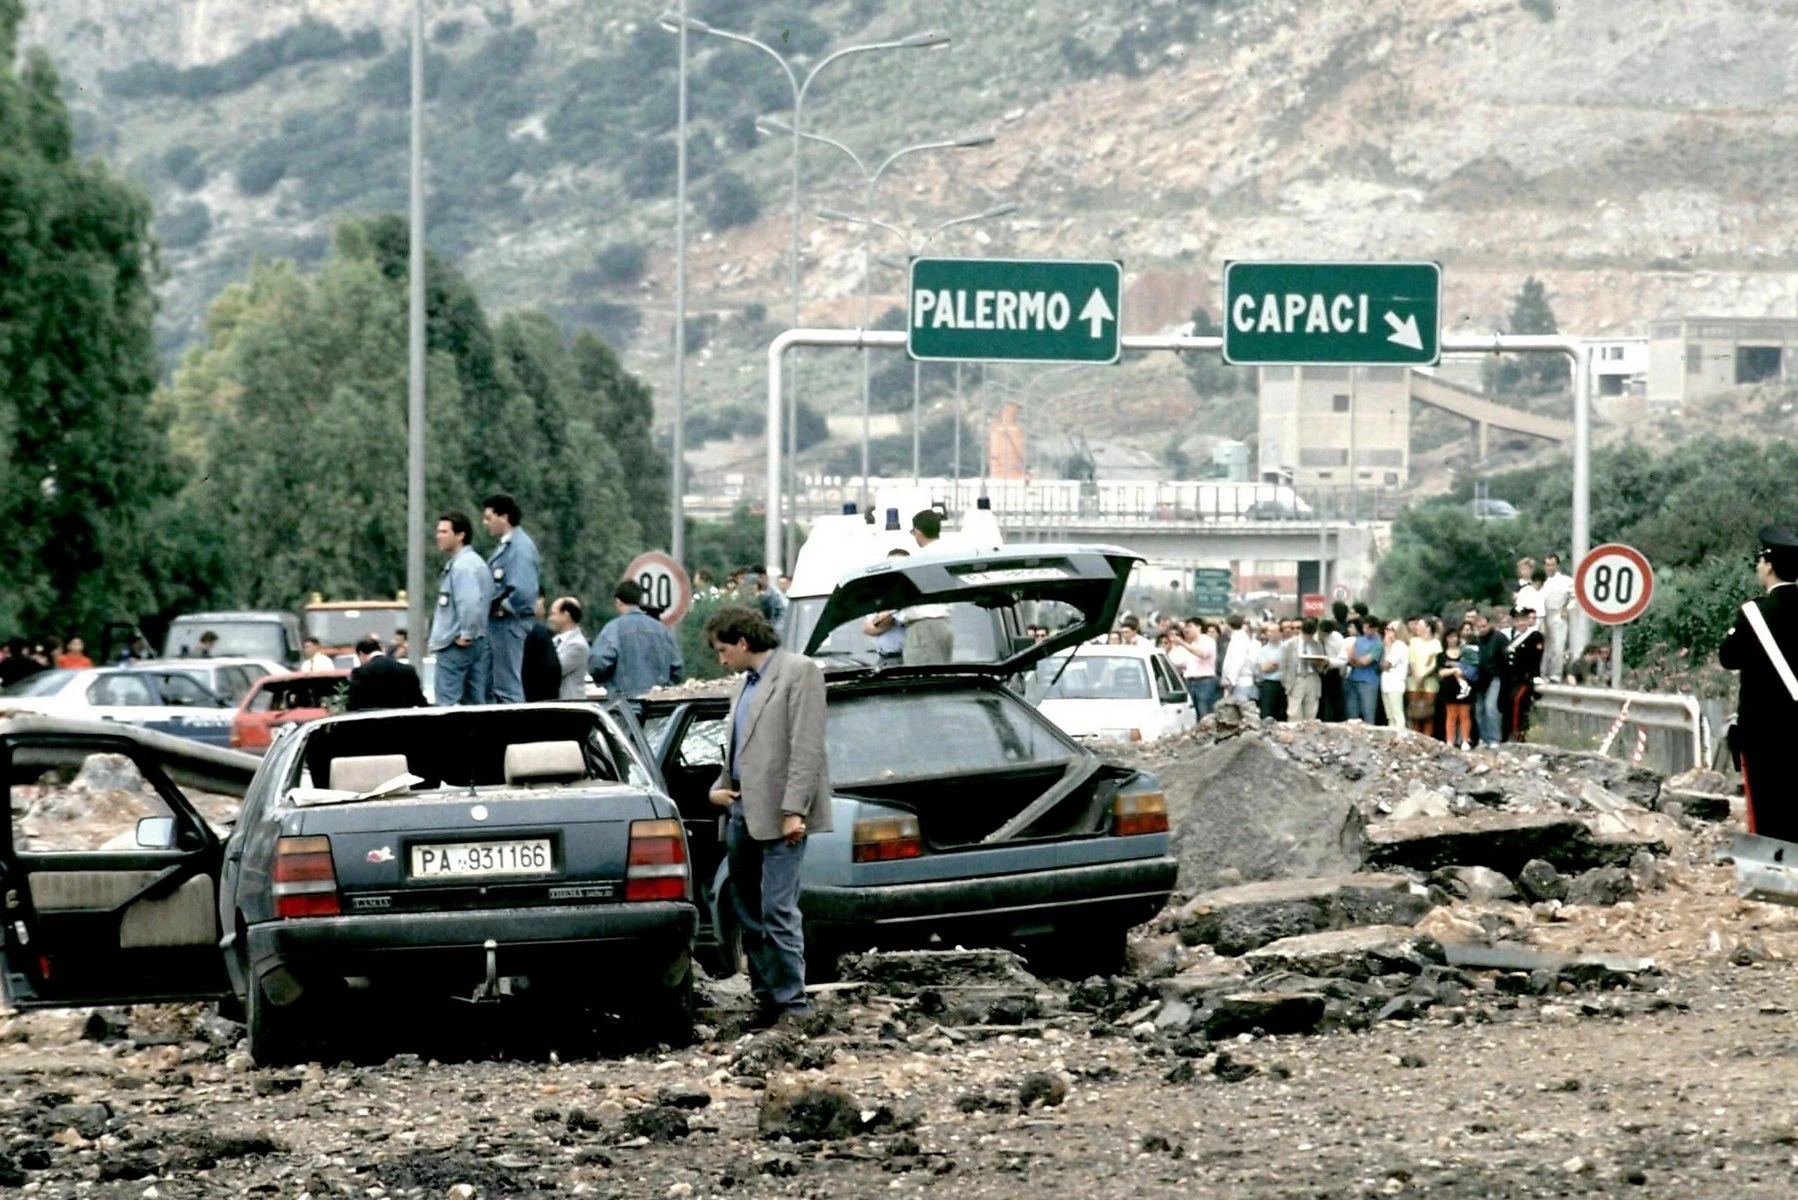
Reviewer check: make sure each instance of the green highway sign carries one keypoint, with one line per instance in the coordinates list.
(1348, 314)
(1014, 310)
(1200, 575)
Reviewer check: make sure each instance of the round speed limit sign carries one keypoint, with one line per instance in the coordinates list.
(665, 585)
(1614, 583)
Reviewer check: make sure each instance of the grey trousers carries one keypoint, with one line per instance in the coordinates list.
(507, 686)
(929, 642)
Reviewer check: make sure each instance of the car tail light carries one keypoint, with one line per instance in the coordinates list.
(236, 740)
(657, 866)
(1139, 812)
(882, 839)
(305, 881)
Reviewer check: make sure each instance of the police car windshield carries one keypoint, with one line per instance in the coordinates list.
(976, 633)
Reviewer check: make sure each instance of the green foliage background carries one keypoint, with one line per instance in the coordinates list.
(1694, 511)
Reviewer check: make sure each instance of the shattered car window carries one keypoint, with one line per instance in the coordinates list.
(875, 737)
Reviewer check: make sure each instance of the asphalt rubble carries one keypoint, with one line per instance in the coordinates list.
(1336, 881)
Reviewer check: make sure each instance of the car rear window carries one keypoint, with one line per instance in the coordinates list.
(1096, 678)
(976, 633)
(296, 693)
(875, 737)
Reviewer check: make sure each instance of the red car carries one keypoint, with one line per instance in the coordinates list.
(278, 700)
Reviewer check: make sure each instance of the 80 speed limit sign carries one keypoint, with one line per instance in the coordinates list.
(665, 585)
(1614, 583)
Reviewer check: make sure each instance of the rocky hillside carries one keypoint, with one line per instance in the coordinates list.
(1636, 156)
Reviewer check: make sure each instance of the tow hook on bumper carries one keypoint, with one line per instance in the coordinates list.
(496, 985)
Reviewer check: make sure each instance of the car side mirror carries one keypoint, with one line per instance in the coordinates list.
(156, 833)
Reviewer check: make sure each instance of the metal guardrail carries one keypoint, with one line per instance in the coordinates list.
(1665, 733)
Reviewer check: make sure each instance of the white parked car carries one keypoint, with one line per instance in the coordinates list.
(1113, 693)
(231, 678)
(166, 699)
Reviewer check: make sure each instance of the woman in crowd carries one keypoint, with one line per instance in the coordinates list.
(1455, 694)
(1394, 674)
(1423, 684)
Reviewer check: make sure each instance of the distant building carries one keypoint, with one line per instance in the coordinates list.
(1693, 357)
(1335, 426)
(1617, 365)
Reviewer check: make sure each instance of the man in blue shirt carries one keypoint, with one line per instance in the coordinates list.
(516, 574)
(1361, 699)
(459, 628)
(634, 652)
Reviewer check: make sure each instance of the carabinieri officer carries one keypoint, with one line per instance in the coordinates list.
(1763, 646)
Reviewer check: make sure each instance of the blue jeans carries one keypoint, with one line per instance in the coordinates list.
(1485, 712)
(1361, 698)
(764, 890)
(507, 637)
(462, 672)
(1203, 691)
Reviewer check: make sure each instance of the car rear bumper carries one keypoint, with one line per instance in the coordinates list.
(428, 951)
(1030, 903)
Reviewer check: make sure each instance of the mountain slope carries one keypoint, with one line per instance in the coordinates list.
(1636, 156)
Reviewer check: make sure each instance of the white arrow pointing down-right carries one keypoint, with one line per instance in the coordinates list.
(1404, 332)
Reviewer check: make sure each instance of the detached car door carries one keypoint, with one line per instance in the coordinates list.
(110, 889)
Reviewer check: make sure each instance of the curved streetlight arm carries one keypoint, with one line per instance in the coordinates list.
(768, 125)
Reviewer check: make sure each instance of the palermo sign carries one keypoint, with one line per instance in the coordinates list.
(1014, 310)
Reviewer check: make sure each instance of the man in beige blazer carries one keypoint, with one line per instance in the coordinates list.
(776, 786)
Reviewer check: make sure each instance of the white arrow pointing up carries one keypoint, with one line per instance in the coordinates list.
(1096, 313)
(1404, 332)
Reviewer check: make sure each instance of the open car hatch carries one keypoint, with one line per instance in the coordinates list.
(1089, 580)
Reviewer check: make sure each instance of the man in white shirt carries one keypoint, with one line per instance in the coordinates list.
(313, 656)
(1529, 591)
(929, 638)
(571, 647)
(1557, 608)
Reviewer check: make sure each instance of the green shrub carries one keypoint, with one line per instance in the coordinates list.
(448, 33)
(618, 264)
(389, 81)
(184, 226)
(650, 171)
(731, 202)
(184, 167)
(311, 40)
(261, 167)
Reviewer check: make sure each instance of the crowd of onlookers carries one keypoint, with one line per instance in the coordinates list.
(1466, 681)
(21, 658)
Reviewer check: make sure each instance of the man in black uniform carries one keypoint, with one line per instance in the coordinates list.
(380, 681)
(1523, 662)
(1767, 709)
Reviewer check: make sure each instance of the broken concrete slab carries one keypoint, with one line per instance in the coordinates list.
(1601, 885)
(1478, 885)
(1360, 953)
(1698, 805)
(1270, 1012)
(1193, 985)
(1502, 841)
(1239, 919)
(1510, 957)
(1243, 806)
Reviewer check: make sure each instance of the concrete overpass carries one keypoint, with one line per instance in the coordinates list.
(1485, 415)
(1348, 553)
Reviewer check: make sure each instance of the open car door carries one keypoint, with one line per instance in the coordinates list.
(689, 736)
(110, 890)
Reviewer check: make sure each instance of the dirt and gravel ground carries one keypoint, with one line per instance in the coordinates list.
(965, 1073)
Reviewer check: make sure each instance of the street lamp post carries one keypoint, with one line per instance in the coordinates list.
(681, 23)
(873, 183)
(998, 210)
(416, 611)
